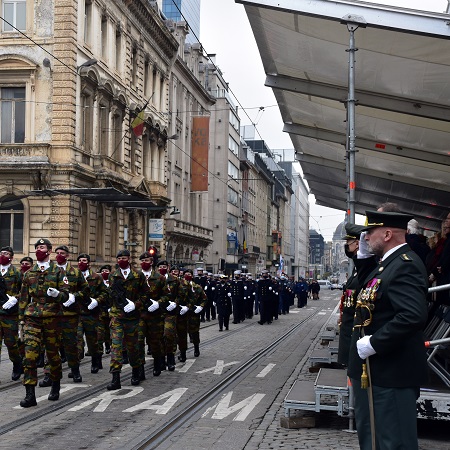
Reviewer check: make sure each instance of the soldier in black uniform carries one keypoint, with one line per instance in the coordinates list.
(362, 266)
(209, 311)
(202, 280)
(237, 297)
(251, 293)
(391, 312)
(223, 302)
(264, 292)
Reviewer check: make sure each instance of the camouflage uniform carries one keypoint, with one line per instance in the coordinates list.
(152, 323)
(171, 317)
(185, 295)
(9, 323)
(89, 319)
(125, 326)
(42, 316)
(197, 299)
(103, 335)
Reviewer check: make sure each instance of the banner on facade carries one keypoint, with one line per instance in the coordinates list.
(156, 229)
(200, 149)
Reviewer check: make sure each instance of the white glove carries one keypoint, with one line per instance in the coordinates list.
(93, 304)
(245, 288)
(254, 293)
(171, 307)
(12, 301)
(214, 303)
(270, 288)
(229, 294)
(364, 348)
(154, 306)
(69, 302)
(184, 310)
(52, 292)
(198, 309)
(363, 250)
(129, 307)
(206, 288)
(213, 288)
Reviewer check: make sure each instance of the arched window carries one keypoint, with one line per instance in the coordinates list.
(11, 223)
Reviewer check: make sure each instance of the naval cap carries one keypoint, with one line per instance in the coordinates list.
(353, 231)
(387, 219)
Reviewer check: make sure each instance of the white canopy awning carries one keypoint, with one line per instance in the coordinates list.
(402, 90)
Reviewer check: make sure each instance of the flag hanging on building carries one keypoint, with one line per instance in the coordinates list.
(244, 244)
(200, 150)
(138, 122)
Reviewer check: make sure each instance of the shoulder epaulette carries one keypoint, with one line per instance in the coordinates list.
(405, 257)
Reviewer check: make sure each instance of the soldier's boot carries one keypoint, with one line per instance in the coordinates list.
(54, 392)
(142, 372)
(30, 397)
(40, 362)
(171, 362)
(115, 382)
(76, 375)
(125, 359)
(94, 364)
(17, 371)
(107, 348)
(163, 363)
(182, 356)
(196, 350)
(149, 350)
(62, 352)
(135, 376)
(156, 367)
(99, 361)
(46, 381)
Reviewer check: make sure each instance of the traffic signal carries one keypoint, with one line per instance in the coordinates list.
(153, 251)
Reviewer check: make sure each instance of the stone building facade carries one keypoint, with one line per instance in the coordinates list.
(72, 170)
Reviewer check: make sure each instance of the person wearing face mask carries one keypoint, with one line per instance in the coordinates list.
(9, 309)
(183, 294)
(40, 307)
(78, 292)
(103, 335)
(90, 311)
(26, 263)
(223, 302)
(129, 294)
(352, 288)
(170, 315)
(195, 302)
(157, 304)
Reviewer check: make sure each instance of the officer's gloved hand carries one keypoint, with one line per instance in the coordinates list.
(214, 303)
(245, 288)
(270, 288)
(363, 249)
(69, 302)
(364, 347)
(206, 288)
(198, 309)
(213, 288)
(129, 307)
(52, 292)
(229, 294)
(184, 310)
(12, 301)
(172, 306)
(93, 304)
(154, 306)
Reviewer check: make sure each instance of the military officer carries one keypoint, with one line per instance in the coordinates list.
(223, 302)
(11, 281)
(264, 288)
(89, 321)
(251, 294)
(151, 324)
(40, 307)
(202, 280)
(26, 263)
(129, 295)
(237, 297)
(391, 311)
(184, 300)
(352, 288)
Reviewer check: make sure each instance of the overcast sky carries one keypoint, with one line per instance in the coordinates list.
(225, 31)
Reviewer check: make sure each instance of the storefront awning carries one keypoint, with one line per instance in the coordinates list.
(402, 92)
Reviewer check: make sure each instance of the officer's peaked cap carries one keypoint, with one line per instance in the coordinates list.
(377, 219)
(353, 231)
(237, 272)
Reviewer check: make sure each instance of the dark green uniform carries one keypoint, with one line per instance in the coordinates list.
(42, 316)
(396, 292)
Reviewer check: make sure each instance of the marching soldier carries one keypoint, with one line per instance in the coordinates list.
(170, 315)
(10, 283)
(78, 291)
(195, 308)
(275, 298)
(202, 280)
(184, 300)
(223, 302)
(209, 311)
(152, 316)
(90, 311)
(264, 288)
(251, 294)
(42, 293)
(26, 263)
(103, 335)
(237, 297)
(129, 294)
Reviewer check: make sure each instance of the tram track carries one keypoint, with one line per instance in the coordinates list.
(194, 407)
(91, 391)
